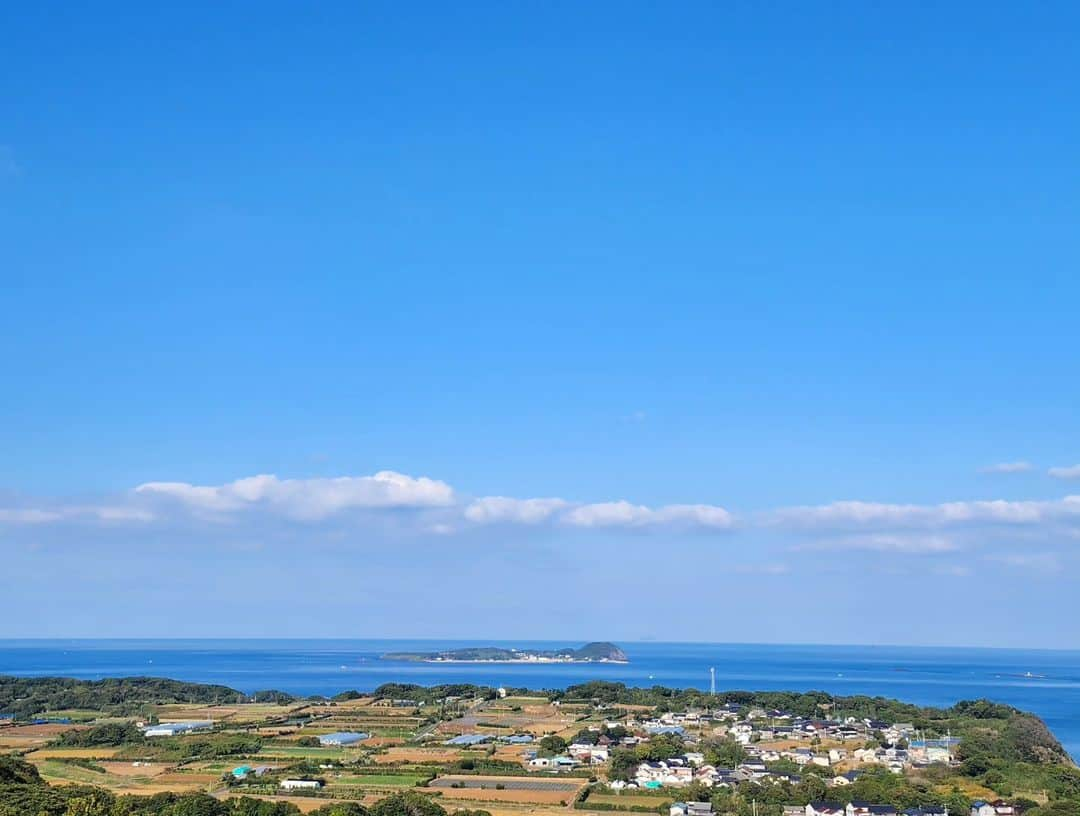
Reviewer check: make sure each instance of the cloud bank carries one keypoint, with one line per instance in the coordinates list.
(368, 508)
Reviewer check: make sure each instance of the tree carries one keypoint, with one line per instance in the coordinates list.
(340, 809)
(552, 745)
(810, 789)
(622, 765)
(660, 747)
(406, 803)
(95, 803)
(246, 806)
(18, 770)
(725, 752)
(1061, 807)
(199, 804)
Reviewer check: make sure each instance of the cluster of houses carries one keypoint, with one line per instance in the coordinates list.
(766, 736)
(756, 728)
(856, 808)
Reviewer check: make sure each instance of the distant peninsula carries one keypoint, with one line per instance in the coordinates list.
(600, 652)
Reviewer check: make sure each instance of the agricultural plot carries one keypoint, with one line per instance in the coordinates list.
(419, 755)
(508, 788)
(329, 754)
(123, 777)
(386, 780)
(625, 800)
(101, 752)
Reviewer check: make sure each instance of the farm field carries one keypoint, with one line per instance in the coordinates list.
(380, 780)
(508, 789)
(101, 752)
(625, 800)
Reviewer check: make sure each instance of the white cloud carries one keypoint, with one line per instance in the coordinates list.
(1008, 467)
(1071, 472)
(121, 513)
(1040, 562)
(625, 514)
(306, 499)
(501, 509)
(28, 516)
(885, 542)
(857, 513)
(36, 515)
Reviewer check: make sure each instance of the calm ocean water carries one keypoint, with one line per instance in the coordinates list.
(927, 676)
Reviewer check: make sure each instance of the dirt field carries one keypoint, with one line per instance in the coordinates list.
(420, 755)
(626, 800)
(188, 779)
(493, 795)
(514, 788)
(27, 736)
(509, 809)
(73, 753)
(143, 769)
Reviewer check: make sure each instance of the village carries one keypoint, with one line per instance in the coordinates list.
(513, 753)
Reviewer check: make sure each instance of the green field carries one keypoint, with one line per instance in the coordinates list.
(380, 780)
(300, 752)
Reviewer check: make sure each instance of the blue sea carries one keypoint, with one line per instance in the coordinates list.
(1044, 682)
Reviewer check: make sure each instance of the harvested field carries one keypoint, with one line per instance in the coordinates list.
(47, 731)
(421, 755)
(508, 782)
(625, 800)
(387, 780)
(508, 788)
(103, 752)
(511, 809)
(187, 779)
(495, 795)
(143, 769)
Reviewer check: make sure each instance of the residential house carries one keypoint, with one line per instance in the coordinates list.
(825, 809)
(300, 784)
(691, 809)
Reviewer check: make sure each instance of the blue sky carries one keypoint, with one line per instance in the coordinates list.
(737, 309)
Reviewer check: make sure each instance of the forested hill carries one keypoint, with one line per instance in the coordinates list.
(25, 697)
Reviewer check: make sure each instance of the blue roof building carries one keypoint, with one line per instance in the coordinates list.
(470, 739)
(343, 738)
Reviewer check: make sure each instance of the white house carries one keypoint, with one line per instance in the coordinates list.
(691, 809)
(177, 728)
(300, 784)
(825, 809)
(664, 773)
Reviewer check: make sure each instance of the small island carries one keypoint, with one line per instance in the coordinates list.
(599, 652)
